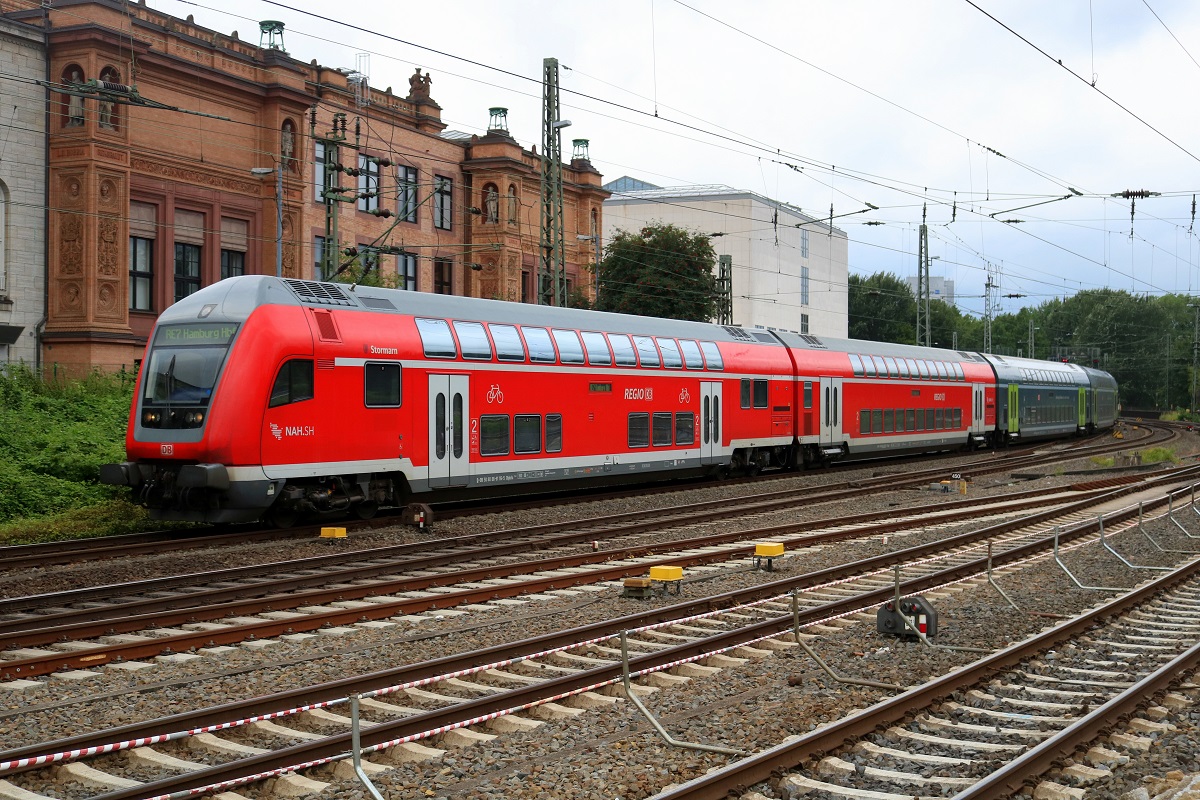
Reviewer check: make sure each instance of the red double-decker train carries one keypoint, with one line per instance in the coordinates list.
(277, 398)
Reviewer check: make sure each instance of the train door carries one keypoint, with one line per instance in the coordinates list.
(449, 447)
(1014, 409)
(710, 422)
(831, 412)
(1083, 408)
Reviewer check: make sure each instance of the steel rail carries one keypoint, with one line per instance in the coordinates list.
(342, 688)
(107, 653)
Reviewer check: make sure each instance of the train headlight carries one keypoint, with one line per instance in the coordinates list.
(194, 419)
(151, 419)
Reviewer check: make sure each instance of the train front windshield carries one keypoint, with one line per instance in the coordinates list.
(185, 361)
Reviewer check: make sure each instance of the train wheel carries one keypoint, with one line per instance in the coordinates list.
(283, 517)
(366, 510)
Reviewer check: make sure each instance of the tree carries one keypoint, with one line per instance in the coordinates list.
(882, 309)
(660, 271)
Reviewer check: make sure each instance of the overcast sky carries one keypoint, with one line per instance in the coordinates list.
(842, 102)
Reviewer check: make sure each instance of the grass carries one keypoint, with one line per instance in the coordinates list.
(1104, 461)
(108, 518)
(1158, 455)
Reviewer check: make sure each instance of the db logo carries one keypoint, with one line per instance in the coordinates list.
(166, 449)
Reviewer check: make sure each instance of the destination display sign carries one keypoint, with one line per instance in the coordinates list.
(212, 333)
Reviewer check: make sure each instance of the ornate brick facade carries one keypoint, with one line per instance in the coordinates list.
(152, 195)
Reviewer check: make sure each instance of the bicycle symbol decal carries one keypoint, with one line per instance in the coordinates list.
(494, 394)
(684, 397)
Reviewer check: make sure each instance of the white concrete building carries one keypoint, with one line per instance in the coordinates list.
(939, 288)
(22, 192)
(790, 270)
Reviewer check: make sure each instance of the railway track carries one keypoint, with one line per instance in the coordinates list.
(1106, 678)
(168, 617)
(742, 624)
(50, 554)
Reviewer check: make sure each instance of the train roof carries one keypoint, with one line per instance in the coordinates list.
(1023, 370)
(233, 300)
(805, 341)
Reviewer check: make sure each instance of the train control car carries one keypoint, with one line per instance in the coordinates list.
(863, 399)
(262, 396)
(1102, 405)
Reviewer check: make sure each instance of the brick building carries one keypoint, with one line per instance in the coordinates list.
(163, 151)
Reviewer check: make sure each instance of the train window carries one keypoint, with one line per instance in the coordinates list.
(554, 433)
(473, 340)
(877, 420)
(685, 428)
(808, 387)
(662, 428)
(888, 418)
(893, 371)
(493, 435)
(527, 433)
(712, 355)
(570, 351)
(942, 371)
(856, 365)
(939, 419)
(922, 370)
(900, 362)
(538, 341)
(597, 349)
(899, 420)
(745, 392)
(910, 420)
(647, 352)
(670, 353)
(439, 425)
(381, 385)
(436, 338)
(760, 394)
(457, 422)
(864, 421)
(509, 346)
(929, 419)
(958, 418)
(691, 354)
(919, 420)
(293, 383)
(958, 370)
(639, 429)
(880, 366)
(912, 367)
(622, 350)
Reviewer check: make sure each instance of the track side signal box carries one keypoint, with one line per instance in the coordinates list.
(921, 615)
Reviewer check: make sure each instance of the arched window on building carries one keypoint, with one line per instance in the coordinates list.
(491, 204)
(72, 104)
(108, 109)
(287, 146)
(513, 206)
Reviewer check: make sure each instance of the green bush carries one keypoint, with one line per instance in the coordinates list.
(56, 436)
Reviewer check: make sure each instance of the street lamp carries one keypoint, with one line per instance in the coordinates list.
(278, 170)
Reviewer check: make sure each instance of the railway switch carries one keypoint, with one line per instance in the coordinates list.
(921, 615)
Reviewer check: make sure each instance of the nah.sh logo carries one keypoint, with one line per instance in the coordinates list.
(292, 430)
